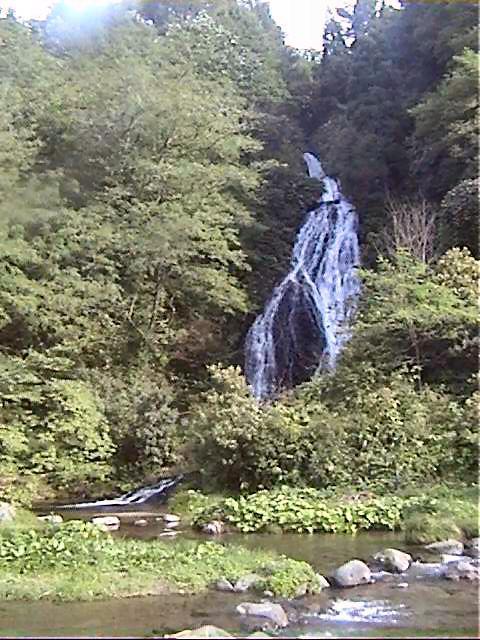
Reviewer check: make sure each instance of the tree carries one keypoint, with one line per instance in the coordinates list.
(445, 141)
(411, 228)
(420, 316)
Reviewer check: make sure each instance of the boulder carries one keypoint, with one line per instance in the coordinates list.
(462, 571)
(107, 523)
(167, 534)
(171, 525)
(52, 518)
(141, 522)
(272, 612)
(214, 528)
(352, 574)
(223, 585)
(427, 570)
(472, 548)
(207, 631)
(452, 547)
(393, 560)
(246, 582)
(7, 512)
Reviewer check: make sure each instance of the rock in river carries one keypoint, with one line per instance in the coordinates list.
(222, 584)
(207, 631)
(272, 612)
(452, 547)
(246, 582)
(393, 560)
(352, 574)
(214, 528)
(52, 518)
(107, 523)
(462, 571)
(472, 548)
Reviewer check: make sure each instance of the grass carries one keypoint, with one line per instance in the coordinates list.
(450, 513)
(75, 561)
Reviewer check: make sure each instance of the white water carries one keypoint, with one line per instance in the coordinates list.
(139, 496)
(305, 323)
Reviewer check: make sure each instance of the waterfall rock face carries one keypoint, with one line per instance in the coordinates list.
(305, 323)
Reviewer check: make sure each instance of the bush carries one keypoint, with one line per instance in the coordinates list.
(445, 513)
(238, 443)
(347, 430)
(52, 430)
(143, 422)
(309, 511)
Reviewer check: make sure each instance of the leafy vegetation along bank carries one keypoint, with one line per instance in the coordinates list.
(78, 561)
(427, 516)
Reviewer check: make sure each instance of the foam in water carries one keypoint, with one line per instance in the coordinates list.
(305, 323)
(153, 493)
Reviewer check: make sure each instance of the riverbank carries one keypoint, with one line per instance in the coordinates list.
(423, 514)
(37, 558)
(78, 561)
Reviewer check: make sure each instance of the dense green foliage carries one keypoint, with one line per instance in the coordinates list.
(309, 511)
(54, 551)
(424, 515)
(355, 429)
(151, 185)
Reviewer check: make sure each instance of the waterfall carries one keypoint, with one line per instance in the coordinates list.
(305, 323)
(155, 493)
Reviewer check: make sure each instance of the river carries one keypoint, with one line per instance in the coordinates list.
(426, 607)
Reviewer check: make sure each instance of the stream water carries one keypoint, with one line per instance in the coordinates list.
(425, 608)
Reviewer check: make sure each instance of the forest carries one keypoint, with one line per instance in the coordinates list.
(151, 187)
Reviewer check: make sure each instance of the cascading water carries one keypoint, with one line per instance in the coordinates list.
(155, 493)
(305, 323)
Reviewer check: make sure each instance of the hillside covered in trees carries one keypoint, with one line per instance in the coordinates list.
(151, 186)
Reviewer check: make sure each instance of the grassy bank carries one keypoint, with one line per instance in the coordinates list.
(425, 515)
(77, 561)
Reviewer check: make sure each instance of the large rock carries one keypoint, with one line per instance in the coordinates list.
(7, 512)
(107, 523)
(462, 571)
(472, 548)
(207, 631)
(452, 547)
(272, 612)
(246, 582)
(352, 574)
(393, 560)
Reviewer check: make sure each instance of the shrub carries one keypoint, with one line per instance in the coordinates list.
(342, 430)
(52, 430)
(143, 422)
(241, 444)
(309, 511)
